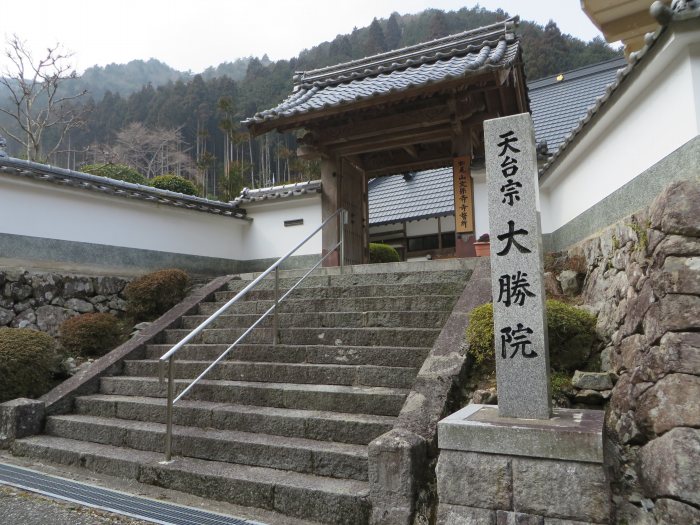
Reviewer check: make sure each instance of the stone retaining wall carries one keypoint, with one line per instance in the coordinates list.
(42, 301)
(643, 281)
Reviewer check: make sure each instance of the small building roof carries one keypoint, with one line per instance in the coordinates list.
(118, 188)
(452, 57)
(411, 196)
(559, 102)
(298, 189)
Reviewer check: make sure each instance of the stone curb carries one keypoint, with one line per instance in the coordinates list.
(60, 399)
(405, 451)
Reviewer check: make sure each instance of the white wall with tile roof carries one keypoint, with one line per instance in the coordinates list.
(38, 209)
(656, 110)
(267, 236)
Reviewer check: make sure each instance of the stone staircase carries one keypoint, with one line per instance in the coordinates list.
(283, 428)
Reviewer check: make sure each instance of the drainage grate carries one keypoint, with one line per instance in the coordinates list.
(111, 500)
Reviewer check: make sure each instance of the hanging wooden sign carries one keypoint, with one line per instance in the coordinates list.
(464, 195)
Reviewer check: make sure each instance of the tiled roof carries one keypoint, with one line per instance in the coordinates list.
(248, 196)
(85, 181)
(559, 102)
(681, 11)
(419, 195)
(451, 57)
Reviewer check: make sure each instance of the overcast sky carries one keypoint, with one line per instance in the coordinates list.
(194, 34)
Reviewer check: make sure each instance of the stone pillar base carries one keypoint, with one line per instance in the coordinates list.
(502, 471)
(20, 418)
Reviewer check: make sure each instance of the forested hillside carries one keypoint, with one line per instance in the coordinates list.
(199, 114)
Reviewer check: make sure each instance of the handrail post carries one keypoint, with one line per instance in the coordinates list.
(275, 318)
(343, 220)
(169, 412)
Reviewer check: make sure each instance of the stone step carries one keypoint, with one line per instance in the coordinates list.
(314, 280)
(407, 303)
(372, 290)
(322, 458)
(326, 500)
(348, 399)
(387, 319)
(438, 265)
(407, 337)
(357, 429)
(302, 373)
(411, 357)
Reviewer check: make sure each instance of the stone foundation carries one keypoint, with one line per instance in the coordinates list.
(43, 301)
(504, 471)
(643, 282)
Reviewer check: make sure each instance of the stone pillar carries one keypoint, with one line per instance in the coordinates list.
(497, 470)
(20, 418)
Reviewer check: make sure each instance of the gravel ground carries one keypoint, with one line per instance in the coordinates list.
(19, 507)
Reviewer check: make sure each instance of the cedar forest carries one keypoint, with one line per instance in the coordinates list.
(195, 118)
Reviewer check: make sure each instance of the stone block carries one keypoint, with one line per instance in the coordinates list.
(50, 318)
(570, 282)
(677, 353)
(672, 512)
(396, 463)
(6, 316)
(459, 515)
(80, 306)
(20, 418)
(678, 275)
(557, 521)
(677, 245)
(669, 466)
(677, 209)
(572, 435)
(474, 480)
(670, 403)
(517, 518)
(592, 380)
(672, 313)
(80, 287)
(561, 489)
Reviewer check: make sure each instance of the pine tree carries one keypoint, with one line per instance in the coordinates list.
(376, 43)
(393, 31)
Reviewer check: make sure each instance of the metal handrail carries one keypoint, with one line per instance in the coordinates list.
(169, 356)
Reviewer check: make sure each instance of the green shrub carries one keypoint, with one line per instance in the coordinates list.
(90, 335)
(175, 183)
(155, 293)
(27, 361)
(382, 253)
(115, 171)
(571, 335)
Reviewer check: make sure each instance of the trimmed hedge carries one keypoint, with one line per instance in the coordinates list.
(115, 171)
(382, 253)
(27, 362)
(90, 335)
(155, 293)
(571, 335)
(175, 183)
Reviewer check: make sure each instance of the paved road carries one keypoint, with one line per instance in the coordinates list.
(19, 507)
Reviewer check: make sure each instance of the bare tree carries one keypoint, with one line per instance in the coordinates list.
(153, 151)
(38, 99)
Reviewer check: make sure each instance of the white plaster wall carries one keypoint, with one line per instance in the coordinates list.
(393, 227)
(447, 224)
(421, 227)
(655, 114)
(481, 208)
(38, 209)
(267, 236)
